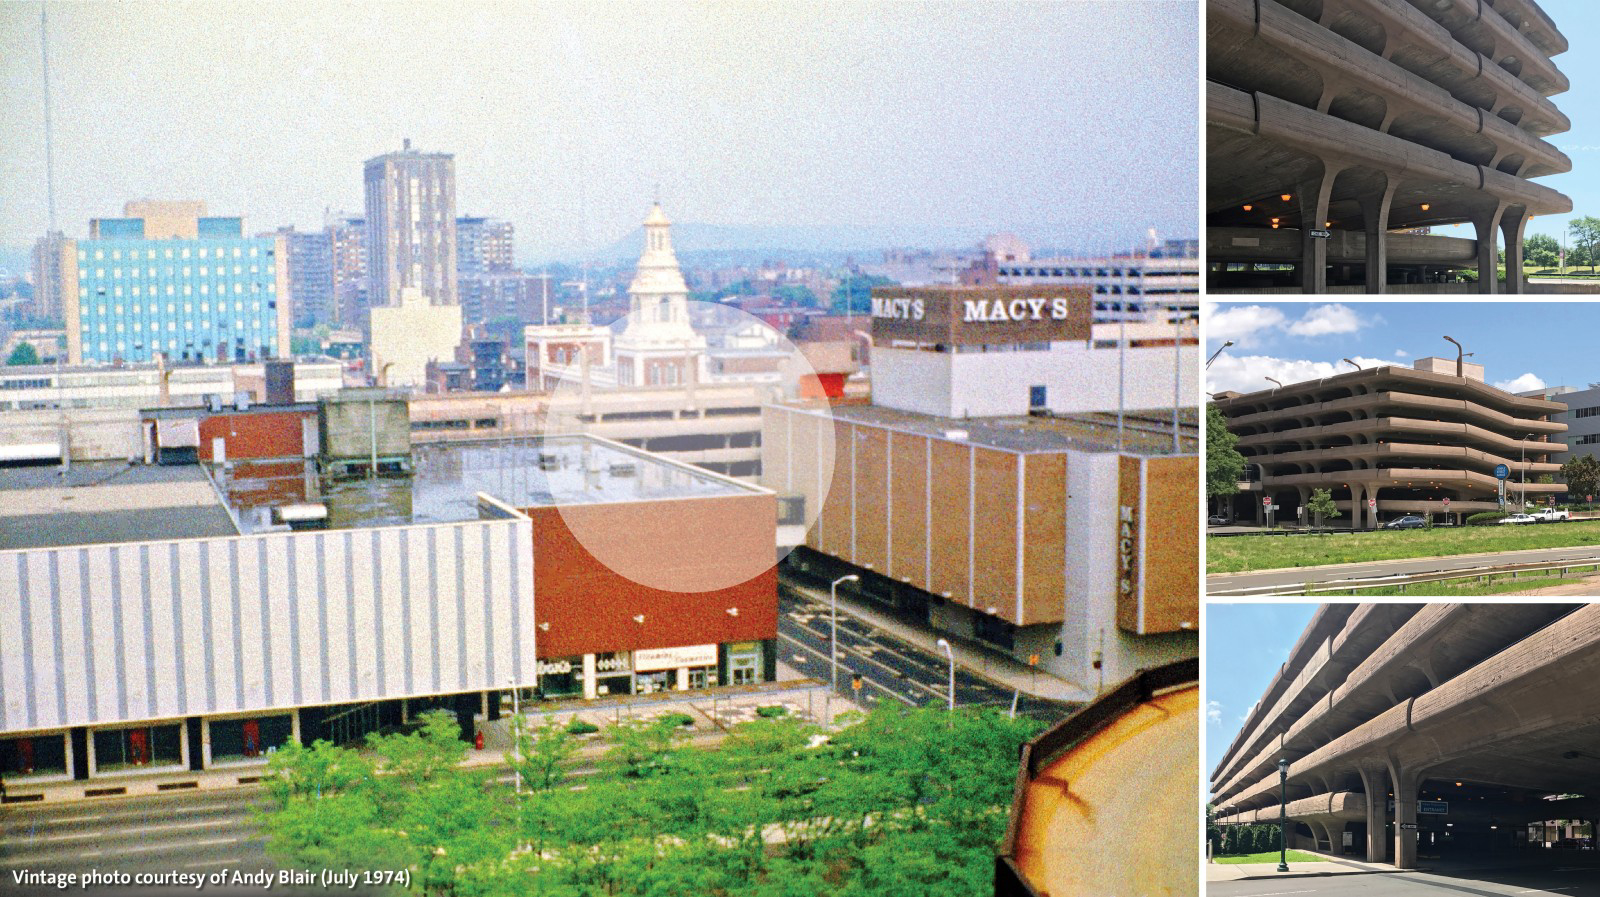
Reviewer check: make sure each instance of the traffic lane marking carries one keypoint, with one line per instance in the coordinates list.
(847, 649)
(865, 678)
(210, 810)
(926, 663)
(176, 826)
(145, 848)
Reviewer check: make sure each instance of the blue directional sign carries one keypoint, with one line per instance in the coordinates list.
(1501, 471)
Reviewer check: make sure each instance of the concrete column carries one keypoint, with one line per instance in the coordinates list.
(1374, 781)
(1375, 216)
(683, 679)
(1314, 194)
(589, 685)
(1512, 225)
(1405, 811)
(1319, 833)
(1485, 224)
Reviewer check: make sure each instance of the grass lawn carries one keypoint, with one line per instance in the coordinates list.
(1462, 587)
(1233, 554)
(1295, 856)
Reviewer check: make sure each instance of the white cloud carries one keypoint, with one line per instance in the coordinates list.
(1523, 383)
(1244, 324)
(1401, 353)
(1249, 373)
(1214, 712)
(1324, 320)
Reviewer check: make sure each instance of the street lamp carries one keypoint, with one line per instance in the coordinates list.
(1218, 352)
(950, 654)
(1525, 472)
(1280, 384)
(1351, 363)
(1283, 815)
(1459, 355)
(833, 640)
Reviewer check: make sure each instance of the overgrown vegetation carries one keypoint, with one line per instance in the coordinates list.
(903, 801)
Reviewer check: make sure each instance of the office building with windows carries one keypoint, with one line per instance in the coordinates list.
(411, 226)
(166, 280)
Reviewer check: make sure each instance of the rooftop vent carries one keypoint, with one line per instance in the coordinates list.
(302, 515)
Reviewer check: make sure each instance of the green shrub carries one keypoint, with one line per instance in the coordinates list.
(579, 727)
(773, 711)
(1486, 518)
(673, 720)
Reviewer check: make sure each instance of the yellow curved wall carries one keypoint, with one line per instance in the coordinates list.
(1117, 814)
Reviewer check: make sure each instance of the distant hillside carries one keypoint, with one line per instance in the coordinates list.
(693, 237)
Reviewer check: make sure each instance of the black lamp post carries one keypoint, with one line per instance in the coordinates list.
(1283, 815)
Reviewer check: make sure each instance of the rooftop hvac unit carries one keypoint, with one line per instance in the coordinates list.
(214, 402)
(302, 515)
(241, 401)
(955, 434)
(549, 462)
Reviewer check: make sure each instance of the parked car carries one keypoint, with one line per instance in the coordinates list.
(1518, 518)
(1410, 521)
(1548, 515)
(1216, 520)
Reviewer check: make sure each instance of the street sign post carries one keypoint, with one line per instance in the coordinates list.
(1501, 471)
(1320, 234)
(1408, 826)
(1372, 502)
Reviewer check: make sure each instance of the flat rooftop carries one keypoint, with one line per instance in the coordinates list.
(106, 501)
(447, 478)
(1145, 432)
(113, 502)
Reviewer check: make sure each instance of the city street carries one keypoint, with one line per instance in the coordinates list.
(891, 668)
(204, 832)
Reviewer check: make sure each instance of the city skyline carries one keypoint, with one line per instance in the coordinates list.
(885, 119)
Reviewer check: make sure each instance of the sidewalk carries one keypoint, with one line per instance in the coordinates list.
(1330, 866)
(970, 655)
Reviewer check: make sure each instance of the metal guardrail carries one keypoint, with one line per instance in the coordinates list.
(1379, 582)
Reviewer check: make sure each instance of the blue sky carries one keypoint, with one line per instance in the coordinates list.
(1522, 345)
(1245, 646)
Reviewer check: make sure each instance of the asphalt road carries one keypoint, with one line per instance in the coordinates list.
(890, 668)
(198, 833)
(1551, 880)
(1219, 584)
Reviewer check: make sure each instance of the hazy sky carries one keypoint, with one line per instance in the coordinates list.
(1052, 119)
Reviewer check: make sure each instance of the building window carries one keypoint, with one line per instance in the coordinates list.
(249, 738)
(33, 755)
(140, 746)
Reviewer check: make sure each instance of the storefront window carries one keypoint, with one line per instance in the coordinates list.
(702, 677)
(650, 683)
(744, 663)
(561, 677)
(613, 673)
(42, 755)
(249, 738)
(138, 747)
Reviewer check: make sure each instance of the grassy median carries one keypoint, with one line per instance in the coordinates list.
(1295, 856)
(1234, 554)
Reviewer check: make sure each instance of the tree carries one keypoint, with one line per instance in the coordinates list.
(24, 353)
(1585, 233)
(1582, 475)
(854, 292)
(1321, 506)
(545, 751)
(1224, 464)
(1541, 251)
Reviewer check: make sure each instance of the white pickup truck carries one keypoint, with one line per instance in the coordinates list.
(1548, 515)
